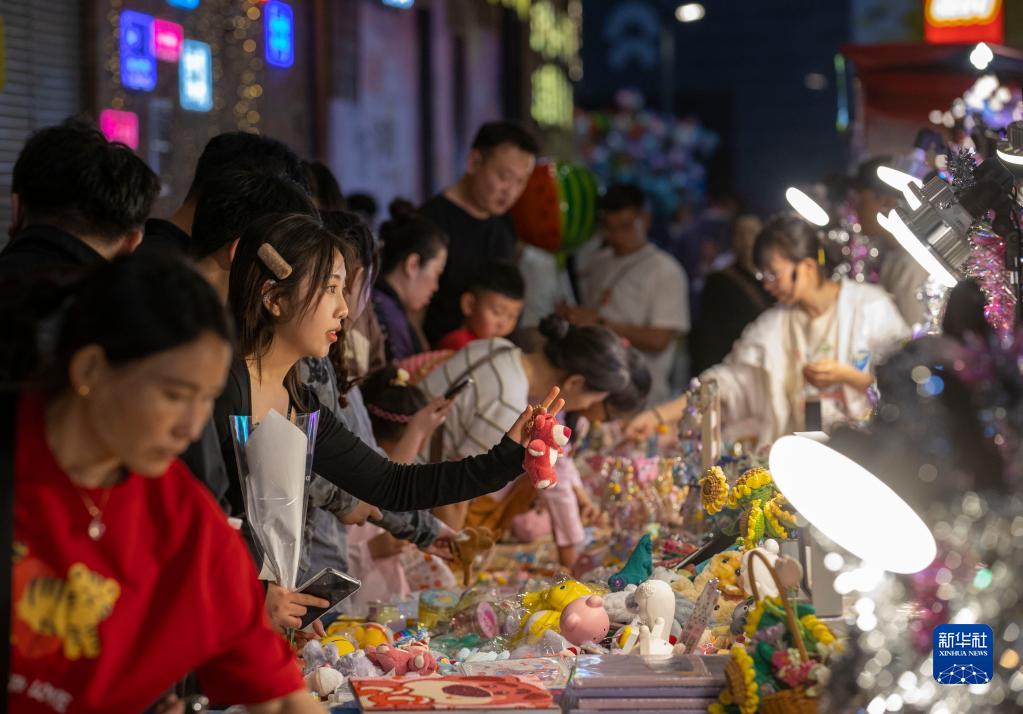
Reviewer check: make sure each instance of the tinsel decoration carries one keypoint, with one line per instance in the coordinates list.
(978, 578)
(986, 265)
(861, 256)
(946, 405)
(961, 166)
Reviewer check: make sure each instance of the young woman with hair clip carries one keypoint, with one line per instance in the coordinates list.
(287, 297)
(126, 575)
(820, 341)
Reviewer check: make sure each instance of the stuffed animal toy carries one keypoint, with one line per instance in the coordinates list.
(585, 620)
(638, 568)
(546, 441)
(469, 543)
(324, 681)
(365, 635)
(415, 659)
(621, 606)
(556, 597)
(725, 567)
(356, 664)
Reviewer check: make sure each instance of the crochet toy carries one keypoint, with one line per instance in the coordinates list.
(416, 659)
(638, 568)
(546, 439)
(585, 620)
(726, 567)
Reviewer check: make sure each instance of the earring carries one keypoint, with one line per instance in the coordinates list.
(83, 390)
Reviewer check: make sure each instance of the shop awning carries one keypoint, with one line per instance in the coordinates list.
(907, 81)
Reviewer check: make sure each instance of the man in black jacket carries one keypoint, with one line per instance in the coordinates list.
(77, 200)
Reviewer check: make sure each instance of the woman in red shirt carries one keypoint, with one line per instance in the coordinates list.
(126, 575)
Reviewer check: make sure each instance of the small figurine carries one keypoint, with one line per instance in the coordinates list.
(639, 567)
(546, 439)
(585, 620)
(656, 602)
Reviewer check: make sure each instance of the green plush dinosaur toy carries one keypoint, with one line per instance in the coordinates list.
(638, 568)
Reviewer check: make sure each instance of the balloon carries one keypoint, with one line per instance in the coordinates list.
(558, 208)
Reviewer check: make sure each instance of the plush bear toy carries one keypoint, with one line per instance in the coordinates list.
(415, 659)
(546, 439)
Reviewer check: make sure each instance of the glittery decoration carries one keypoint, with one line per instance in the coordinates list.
(977, 577)
(961, 165)
(986, 265)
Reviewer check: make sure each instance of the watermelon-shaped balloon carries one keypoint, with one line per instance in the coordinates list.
(557, 210)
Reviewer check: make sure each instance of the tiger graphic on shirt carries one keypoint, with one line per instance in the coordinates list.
(65, 611)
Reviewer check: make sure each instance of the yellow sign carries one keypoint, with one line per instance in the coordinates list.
(552, 97)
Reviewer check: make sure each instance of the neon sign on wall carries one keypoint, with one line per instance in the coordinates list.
(186, 4)
(279, 21)
(138, 62)
(120, 126)
(167, 39)
(195, 76)
(960, 21)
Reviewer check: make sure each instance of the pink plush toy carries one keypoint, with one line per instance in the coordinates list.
(415, 659)
(546, 439)
(584, 620)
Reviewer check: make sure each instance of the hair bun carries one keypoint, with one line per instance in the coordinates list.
(554, 327)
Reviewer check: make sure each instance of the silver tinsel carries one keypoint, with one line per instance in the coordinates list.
(977, 578)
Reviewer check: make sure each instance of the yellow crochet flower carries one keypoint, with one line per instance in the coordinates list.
(753, 619)
(751, 526)
(713, 490)
(750, 481)
(777, 517)
(818, 629)
(742, 682)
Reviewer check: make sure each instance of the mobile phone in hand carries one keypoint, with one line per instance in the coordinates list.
(457, 388)
(331, 585)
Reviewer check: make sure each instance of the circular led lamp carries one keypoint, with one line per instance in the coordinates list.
(1010, 149)
(851, 506)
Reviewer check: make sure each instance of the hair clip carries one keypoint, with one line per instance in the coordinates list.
(401, 378)
(274, 261)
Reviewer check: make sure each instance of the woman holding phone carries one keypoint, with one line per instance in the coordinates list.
(286, 295)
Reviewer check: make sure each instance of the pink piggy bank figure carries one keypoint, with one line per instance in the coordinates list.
(584, 620)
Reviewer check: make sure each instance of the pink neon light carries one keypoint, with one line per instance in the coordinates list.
(120, 126)
(167, 39)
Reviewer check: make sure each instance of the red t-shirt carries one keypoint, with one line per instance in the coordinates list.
(109, 625)
(457, 339)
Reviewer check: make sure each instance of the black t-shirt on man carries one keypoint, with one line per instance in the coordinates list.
(473, 242)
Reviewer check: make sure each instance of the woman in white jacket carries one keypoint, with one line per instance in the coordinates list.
(819, 342)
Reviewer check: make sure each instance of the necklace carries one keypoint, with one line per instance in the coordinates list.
(96, 526)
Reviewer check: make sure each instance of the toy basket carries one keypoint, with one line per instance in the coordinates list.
(787, 701)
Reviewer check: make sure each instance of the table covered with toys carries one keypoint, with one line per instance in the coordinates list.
(681, 601)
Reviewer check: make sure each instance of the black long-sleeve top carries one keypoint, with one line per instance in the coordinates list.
(343, 459)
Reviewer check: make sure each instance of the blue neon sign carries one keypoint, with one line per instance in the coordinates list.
(279, 21)
(186, 4)
(195, 76)
(138, 61)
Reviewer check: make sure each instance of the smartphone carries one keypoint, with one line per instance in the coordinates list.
(331, 585)
(457, 389)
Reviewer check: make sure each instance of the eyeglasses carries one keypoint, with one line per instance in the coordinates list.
(768, 277)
